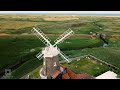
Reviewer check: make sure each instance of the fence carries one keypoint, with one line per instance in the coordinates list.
(94, 58)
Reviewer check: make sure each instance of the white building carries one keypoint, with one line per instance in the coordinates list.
(107, 75)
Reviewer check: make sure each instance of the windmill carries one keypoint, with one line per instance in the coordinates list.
(50, 53)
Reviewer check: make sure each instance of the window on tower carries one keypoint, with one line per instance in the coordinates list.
(55, 64)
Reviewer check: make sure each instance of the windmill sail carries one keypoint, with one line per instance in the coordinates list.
(64, 56)
(39, 55)
(64, 36)
(46, 41)
(41, 36)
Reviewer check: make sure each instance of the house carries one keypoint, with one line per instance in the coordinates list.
(68, 74)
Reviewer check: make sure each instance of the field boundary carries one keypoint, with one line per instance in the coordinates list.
(104, 62)
(94, 58)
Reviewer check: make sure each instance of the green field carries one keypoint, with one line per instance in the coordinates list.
(87, 66)
(18, 46)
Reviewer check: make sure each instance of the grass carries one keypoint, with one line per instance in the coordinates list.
(35, 73)
(87, 66)
(105, 54)
(25, 68)
(75, 44)
(16, 48)
(13, 50)
(9, 24)
(19, 48)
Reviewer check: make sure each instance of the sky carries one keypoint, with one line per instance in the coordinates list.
(103, 13)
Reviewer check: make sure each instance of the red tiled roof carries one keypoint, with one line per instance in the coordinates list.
(84, 76)
(55, 74)
(72, 75)
(65, 76)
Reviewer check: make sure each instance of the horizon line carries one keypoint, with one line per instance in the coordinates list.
(103, 13)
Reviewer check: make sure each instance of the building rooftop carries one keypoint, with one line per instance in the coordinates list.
(55, 74)
(65, 76)
(50, 51)
(72, 75)
(68, 74)
(107, 75)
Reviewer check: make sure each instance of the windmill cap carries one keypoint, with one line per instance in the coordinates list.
(50, 51)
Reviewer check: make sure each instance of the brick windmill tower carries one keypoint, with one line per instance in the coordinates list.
(51, 67)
